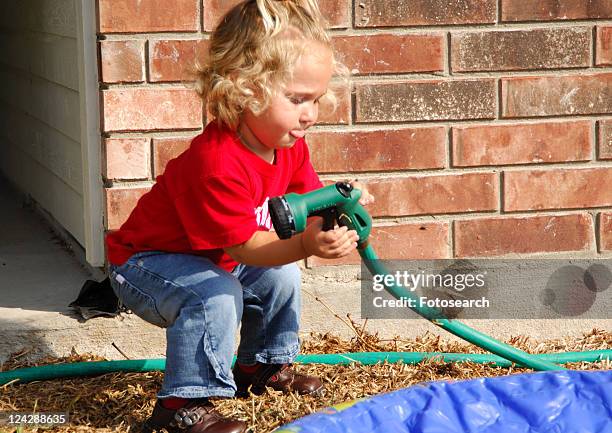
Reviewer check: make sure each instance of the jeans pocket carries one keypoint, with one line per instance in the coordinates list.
(139, 302)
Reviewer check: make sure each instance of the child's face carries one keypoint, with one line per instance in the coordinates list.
(292, 110)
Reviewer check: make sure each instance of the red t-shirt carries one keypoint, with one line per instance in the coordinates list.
(214, 195)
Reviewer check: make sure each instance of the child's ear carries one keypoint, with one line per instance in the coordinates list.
(327, 106)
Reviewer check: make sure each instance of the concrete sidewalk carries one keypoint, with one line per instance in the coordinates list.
(39, 277)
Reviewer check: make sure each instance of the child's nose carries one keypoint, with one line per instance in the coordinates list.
(309, 113)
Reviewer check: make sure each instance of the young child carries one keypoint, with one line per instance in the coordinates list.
(197, 255)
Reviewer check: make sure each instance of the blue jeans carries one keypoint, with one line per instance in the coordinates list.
(201, 306)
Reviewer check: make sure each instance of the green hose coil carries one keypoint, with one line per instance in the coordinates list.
(80, 369)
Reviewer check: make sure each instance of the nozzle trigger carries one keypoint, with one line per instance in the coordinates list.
(329, 219)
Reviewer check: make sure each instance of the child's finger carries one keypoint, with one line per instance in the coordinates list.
(347, 249)
(366, 199)
(344, 242)
(340, 251)
(330, 241)
(337, 242)
(331, 236)
(350, 236)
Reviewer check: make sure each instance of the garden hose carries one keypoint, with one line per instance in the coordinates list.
(92, 368)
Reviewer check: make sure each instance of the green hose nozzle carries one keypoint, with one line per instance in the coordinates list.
(335, 203)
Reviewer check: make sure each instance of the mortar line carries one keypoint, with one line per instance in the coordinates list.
(467, 75)
(353, 101)
(452, 123)
(502, 192)
(147, 59)
(410, 77)
(103, 160)
(457, 171)
(593, 47)
(452, 231)
(201, 10)
(395, 30)
(447, 57)
(151, 160)
(597, 227)
(596, 144)
(476, 27)
(449, 149)
(499, 99)
(491, 120)
(476, 215)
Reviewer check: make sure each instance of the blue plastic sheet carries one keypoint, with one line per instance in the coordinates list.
(545, 402)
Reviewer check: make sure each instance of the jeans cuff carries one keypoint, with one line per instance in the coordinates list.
(265, 357)
(196, 392)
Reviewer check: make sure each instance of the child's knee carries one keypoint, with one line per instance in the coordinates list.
(286, 281)
(288, 276)
(218, 299)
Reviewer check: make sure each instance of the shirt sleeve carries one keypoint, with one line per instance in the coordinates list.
(304, 178)
(217, 213)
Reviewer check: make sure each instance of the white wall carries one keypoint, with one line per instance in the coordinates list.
(40, 132)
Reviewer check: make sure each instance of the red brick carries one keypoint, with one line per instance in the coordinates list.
(122, 61)
(605, 231)
(557, 95)
(549, 10)
(425, 195)
(120, 201)
(603, 53)
(335, 12)
(521, 49)
(134, 109)
(176, 60)
(165, 149)
(523, 235)
(528, 143)
(127, 158)
(425, 100)
(132, 16)
(387, 53)
(557, 189)
(214, 10)
(605, 139)
(342, 113)
(393, 13)
(396, 149)
(420, 241)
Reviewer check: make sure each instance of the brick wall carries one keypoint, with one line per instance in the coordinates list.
(483, 127)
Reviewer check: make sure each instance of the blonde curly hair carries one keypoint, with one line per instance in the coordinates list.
(253, 51)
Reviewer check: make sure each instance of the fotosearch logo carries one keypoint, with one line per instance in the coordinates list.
(572, 290)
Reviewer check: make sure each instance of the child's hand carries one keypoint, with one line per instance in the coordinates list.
(331, 244)
(366, 198)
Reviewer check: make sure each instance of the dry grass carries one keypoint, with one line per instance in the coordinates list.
(120, 402)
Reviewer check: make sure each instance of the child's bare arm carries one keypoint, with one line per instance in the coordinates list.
(266, 249)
